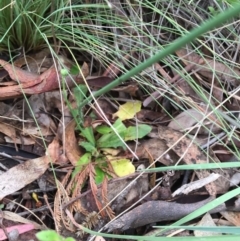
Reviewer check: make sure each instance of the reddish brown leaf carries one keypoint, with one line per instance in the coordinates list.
(17, 74)
(35, 84)
(73, 150)
(94, 189)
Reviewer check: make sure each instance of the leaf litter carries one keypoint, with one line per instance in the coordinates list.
(95, 184)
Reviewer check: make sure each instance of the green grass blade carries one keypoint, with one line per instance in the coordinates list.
(177, 44)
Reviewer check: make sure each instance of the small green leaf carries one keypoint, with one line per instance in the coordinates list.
(110, 140)
(88, 134)
(74, 70)
(100, 174)
(103, 129)
(88, 146)
(137, 132)
(119, 126)
(48, 235)
(85, 159)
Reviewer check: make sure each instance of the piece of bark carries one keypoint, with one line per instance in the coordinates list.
(157, 211)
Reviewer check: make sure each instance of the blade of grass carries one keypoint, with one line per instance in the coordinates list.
(195, 167)
(177, 44)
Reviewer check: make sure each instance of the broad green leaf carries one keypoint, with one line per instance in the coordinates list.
(85, 159)
(74, 70)
(123, 167)
(88, 134)
(88, 146)
(110, 140)
(48, 235)
(119, 126)
(137, 132)
(128, 110)
(103, 129)
(100, 174)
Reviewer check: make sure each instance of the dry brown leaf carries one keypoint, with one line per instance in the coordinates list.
(60, 217)
(73, 150)
(35, 84)
(35, 63)
(131, 89)
(206, 221)
(17, 74)
(26, 140)
(105, 200)
(31, 129)
(98, 82)
(94, 189)
(36, 107)
(207, 67)
(9, 131)
(133, 190)
(78, 181)
(156, 147)
(189, 118)
(233, 217)
(191, 154)
(189, 151)
(25, 173)
(17, 218)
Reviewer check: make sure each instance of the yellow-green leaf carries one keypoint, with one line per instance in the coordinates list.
(128, 110)
(123, 167)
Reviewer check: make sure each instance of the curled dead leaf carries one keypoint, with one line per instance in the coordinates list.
(30, 83)
(207, 67)
(73, 150)
(191, 117)
(19, 176)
